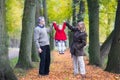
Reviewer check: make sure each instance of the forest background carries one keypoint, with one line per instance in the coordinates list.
(59, 11)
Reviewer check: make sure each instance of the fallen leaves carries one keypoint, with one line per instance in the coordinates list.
(61, 68)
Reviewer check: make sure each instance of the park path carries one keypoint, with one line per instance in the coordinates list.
(62, 69)
(13, 52)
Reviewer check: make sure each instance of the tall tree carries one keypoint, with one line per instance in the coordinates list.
(45, 14)
(45, 11)
(105, 48)
(38, 11)
(74, 13)
(34, 51)
(6, 72)
(81, 10)
(28, 22)
(113, 64)
(51, 40)
(109, 8)
(94, 47)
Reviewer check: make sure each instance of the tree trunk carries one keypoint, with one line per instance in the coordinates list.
(35, 57)
(51, 41)
(81, 11)
(38, 11)
(113, 64)
(105, 48)
(6, 72)
(28, 22)
(47, 24)
(73, 21)
(94, 47)
(45, 11)
(74, 13)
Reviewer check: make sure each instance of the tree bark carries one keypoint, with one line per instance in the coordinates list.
(48, 24)
(51, 41)
(113, 64)
(38, 11)
(94, 47)
(73, 20)
(6, 72)
(28, 22)
(45, 11)
(35, 55)
(74, 15)
(34, 51)
(105, 48)
(81, 11)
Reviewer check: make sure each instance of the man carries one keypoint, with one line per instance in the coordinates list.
(41, 39)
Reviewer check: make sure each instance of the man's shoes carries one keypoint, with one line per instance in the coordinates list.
(42, 75)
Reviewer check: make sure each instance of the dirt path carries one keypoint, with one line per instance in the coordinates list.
(62, 69)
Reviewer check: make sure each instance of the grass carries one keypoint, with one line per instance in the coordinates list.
(19, 72)
(13, 62)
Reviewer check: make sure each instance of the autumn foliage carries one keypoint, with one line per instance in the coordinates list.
(62, 69)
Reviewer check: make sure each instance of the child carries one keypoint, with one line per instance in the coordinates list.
(60, 36)
(76, 49)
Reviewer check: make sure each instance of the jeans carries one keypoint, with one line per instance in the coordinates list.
(79, 65)
(44, 60)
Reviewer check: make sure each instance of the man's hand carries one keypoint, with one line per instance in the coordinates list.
(40, 50)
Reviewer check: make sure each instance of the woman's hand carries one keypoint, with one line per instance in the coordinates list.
(53, 23)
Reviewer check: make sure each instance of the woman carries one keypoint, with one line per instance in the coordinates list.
(60, 36)
(76, 49)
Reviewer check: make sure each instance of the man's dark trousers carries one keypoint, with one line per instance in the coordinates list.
(44, 60)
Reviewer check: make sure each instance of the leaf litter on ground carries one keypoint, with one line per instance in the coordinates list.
(61, 68)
